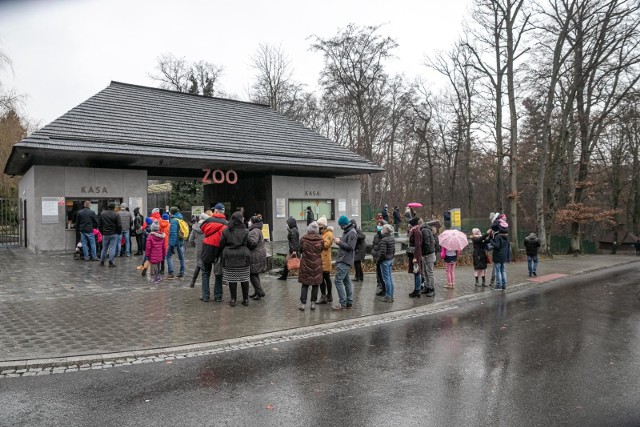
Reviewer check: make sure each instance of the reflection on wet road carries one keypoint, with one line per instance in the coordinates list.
(566, 353)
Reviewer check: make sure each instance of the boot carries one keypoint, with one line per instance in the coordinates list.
(245, 292)
(431, 292)
(414, 294)
(477, 284)
(323, 299)
(484, 283)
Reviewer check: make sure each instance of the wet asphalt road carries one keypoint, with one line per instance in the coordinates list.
(566, 353)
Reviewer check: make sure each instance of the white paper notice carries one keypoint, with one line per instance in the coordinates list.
(342, 205)
(280, 208)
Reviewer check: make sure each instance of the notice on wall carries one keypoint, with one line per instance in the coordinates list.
(342, 206)
(50, 210)
(135, 202)
(355, 207)
(280, 208)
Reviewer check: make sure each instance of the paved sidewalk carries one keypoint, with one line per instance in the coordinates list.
(52, 306)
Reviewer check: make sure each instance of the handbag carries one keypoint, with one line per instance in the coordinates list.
(488, 259)
(410, 250)
(293, 262)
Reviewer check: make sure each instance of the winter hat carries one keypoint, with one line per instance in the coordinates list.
(476, 232)
(313, 228)
(414, 221)
(123, 206)
(322, 221)
(155, 226)
(174, 210)
(308, 208)
(203, 216)
(343, 221)
(387, 229)
(219, 207)
(155, 210)
(532, 236)
(495, 216)
(148, 220)
(165, 216)
(255, 219)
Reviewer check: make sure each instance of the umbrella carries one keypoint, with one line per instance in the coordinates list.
(453, 240)
(414, 205)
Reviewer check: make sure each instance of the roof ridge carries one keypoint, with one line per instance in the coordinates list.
(159, 89)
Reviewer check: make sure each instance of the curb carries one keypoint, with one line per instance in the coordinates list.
(15, 368)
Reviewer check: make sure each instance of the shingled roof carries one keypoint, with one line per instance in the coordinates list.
(177, 134)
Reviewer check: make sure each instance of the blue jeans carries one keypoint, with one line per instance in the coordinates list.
(88, 239)
(532, 262)
(343, 283)
(127, 242)
(179, 246)
(417, 282)
(501, 275)
(206, 277)
(385, 269)
(109, 244)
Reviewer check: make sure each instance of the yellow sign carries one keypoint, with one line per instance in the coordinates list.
(265, 232)
(456, 220)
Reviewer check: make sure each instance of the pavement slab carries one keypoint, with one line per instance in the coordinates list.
(55, 308)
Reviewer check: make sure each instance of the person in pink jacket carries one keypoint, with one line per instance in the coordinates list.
(155, 251)
(450, 258)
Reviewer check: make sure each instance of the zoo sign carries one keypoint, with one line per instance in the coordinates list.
(218, 176)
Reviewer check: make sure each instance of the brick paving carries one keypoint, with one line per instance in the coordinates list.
(53, 307)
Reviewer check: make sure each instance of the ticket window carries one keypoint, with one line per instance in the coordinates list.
(73, 206)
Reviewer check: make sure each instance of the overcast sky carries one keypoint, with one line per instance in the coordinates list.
(63, 52)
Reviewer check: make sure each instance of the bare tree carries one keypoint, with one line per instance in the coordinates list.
(200, 78)
(354, 64)
(274, 84)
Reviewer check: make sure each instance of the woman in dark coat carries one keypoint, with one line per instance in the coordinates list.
(375, 253)
(235, 258)
(258, 256)
(479, 255)
(361, 252)
(310, 265)
(293, 236)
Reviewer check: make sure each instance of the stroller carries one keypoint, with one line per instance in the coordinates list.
(78, 254)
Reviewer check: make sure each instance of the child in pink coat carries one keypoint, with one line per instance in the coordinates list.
(450, 259)
(155, 251)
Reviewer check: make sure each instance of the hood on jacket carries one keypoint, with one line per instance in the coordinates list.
(177, 215)
(292, 223)
(532, 236)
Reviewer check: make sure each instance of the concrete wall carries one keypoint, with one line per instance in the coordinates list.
(76, 183)
(347, 189)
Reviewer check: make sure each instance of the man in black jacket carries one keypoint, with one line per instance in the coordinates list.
(293, 236)
(110, 227)
(86, 221)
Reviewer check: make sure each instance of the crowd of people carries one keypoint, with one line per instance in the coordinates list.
(234, 251)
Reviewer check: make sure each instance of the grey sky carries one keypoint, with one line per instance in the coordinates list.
(65, 51)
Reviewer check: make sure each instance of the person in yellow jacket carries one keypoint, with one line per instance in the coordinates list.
(327, 237)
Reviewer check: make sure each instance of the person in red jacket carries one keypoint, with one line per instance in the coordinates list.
(155, 251)
(212, 229)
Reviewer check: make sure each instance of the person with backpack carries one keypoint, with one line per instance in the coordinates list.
(344, 261)
(428, 260)
(176, 242)
(387, 248)
(500, 243)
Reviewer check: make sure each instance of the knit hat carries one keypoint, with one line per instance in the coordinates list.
(313, 228)
(495, 216)
(387, 229)
(155, 210)
(123, 205)
(203, 216)
(343, 221)
(148, 220)
(476, 232)
(255, 219)
(155, 226)
(322, 221)
(174, 210)
(219, 207)
(165, 216)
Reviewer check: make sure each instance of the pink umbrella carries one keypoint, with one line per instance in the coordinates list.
(454, 240)
(414, 205)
